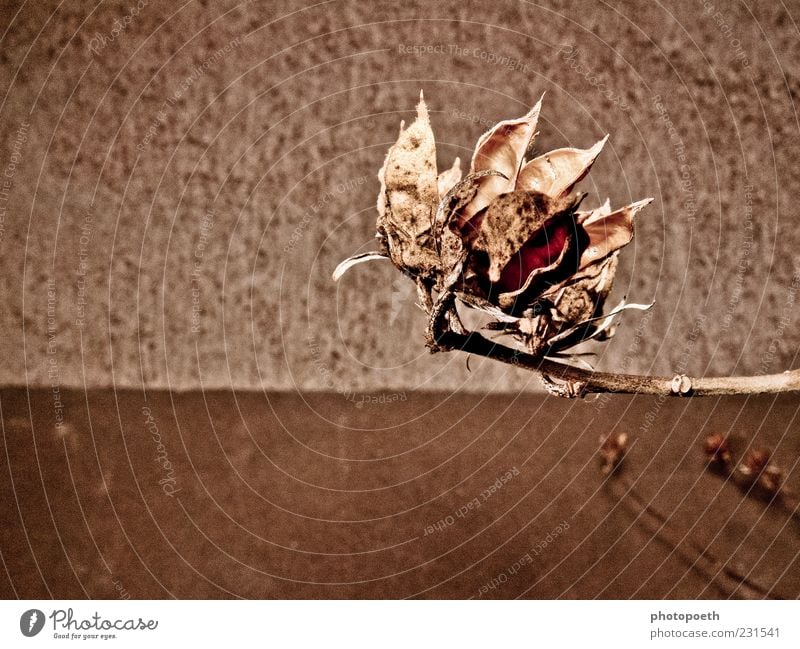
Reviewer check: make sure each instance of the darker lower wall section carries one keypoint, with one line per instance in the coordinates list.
(317, 496)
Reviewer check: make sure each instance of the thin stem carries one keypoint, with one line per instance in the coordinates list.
(578, 381)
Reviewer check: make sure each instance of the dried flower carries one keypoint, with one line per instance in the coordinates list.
(612, 450)
(508, 239)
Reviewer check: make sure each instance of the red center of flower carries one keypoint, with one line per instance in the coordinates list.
(540, 251)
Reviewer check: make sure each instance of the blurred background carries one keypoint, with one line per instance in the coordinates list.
(177, 183)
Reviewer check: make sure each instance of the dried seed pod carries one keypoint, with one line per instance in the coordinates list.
(524, 242)
(508, 239)
(612, 450)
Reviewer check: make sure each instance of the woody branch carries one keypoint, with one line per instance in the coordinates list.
(569, 381)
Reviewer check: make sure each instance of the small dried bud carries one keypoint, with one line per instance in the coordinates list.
(612, 451)
(758, 469)
(717, 450)
(754, 463)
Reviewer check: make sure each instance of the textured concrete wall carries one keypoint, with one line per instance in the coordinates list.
(178, 181)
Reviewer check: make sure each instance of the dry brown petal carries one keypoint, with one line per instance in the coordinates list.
(447, 179)
(596, 213)
(582, 296)
(610, 231)
(408, 196)
(460, 195)
(557, 172)
(502, 149)
(449, 240)
(451, 254)
(511, 221)
(576, 307)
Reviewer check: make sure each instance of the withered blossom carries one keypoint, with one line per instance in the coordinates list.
(508, 238)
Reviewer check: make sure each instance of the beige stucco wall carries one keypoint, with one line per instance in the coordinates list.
(178, 186)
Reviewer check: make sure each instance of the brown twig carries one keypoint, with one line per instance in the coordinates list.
(576, 381)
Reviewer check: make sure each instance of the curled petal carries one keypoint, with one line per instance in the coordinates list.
(557, 172)
(481, 304)
(502, 149)
(608, 232)
(603, 321)
(383, 195)
(347, 264)
(447, 179)
(460, 195)
(408, 176)
(527, 227)
(591, 215)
